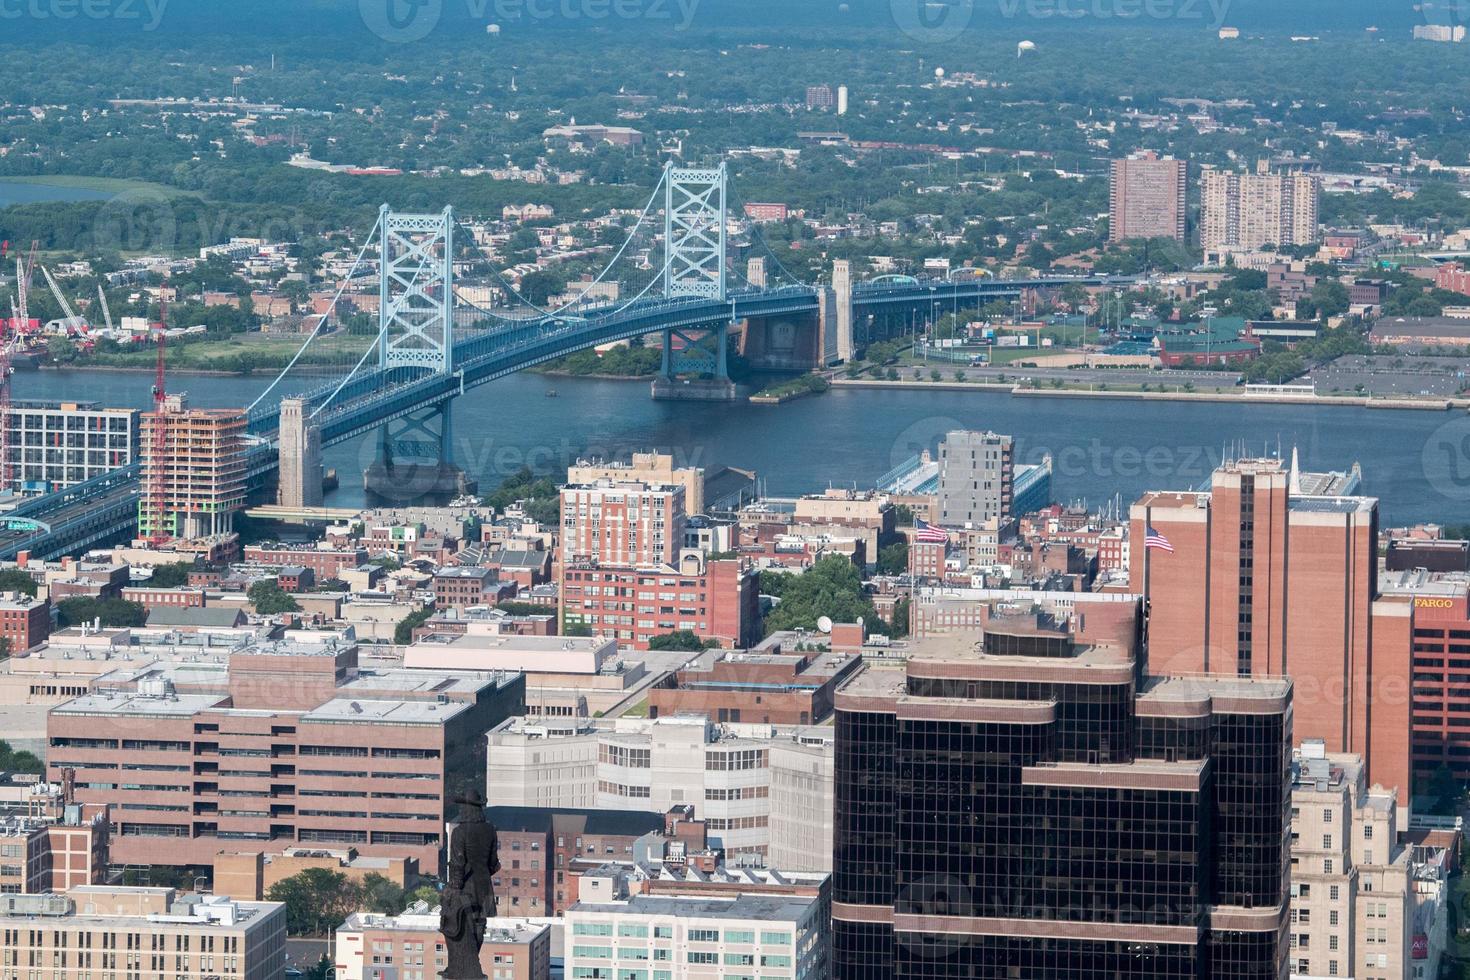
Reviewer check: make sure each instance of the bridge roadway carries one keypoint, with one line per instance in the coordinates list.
(104, 507)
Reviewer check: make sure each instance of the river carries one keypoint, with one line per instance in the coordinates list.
(1417, 462)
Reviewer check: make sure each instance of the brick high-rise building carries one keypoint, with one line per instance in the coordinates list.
(1146, 198)
(622, 522)
(1261, 579)
(1246, 211)
(717, 600)
(1021, 802)
(200, 460)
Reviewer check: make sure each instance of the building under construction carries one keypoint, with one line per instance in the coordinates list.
(193, 471)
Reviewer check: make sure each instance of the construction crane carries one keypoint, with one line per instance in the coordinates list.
(106, 313)
(7, 466)
(24, 268)
(71, 318)
(157, 481)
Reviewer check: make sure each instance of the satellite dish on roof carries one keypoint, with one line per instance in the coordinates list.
(824, 624)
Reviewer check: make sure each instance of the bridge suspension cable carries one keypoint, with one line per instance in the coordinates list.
(321, 320)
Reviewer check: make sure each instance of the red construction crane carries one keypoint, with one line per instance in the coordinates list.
(157, 479)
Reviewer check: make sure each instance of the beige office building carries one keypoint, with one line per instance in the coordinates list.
(100, 931)
(410, 947)
(1362, 906)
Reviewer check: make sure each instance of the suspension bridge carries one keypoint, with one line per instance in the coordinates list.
(671, 276)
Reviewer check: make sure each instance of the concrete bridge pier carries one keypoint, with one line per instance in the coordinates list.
(300, 455)
(413, 463)
(697, 370)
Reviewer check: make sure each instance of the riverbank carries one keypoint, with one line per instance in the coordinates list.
(326, 371)
(1241, 397)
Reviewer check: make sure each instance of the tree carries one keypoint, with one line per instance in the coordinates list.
(269, 599)
(22, 761)
(403, 632)
(378, 894)
(316, 900)
(832, 587)
(686, 640)
(894, 559)
(15, 580)
(173, 575)
(111, 612)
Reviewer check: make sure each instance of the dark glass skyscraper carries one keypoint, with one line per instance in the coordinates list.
(1028, 803)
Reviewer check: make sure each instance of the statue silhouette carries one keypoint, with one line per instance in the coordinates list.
(469, 893)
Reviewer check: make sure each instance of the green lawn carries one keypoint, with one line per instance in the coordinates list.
(105, 185)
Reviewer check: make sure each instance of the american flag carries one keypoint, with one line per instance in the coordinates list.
(929, 533)
(1153, 539)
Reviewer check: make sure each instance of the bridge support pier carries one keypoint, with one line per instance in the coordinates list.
(698, 371)
(300, 450)
(414, 463)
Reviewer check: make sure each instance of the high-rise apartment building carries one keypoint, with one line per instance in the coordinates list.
(820, 97)
(55, 444)
(1025, 801)
(1242, 212)
(976, 478)
(653, 468)
(198, 461)
(1362, 902)
(1146, 197)
(622, 522)
(1257, 577)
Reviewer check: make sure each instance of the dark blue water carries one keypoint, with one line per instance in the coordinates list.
(13, 192)
(1417, 462)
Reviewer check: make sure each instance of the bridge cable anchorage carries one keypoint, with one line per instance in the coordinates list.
(321, 321)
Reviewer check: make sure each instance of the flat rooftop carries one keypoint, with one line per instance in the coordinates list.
(766, 908)
(140, 705)
(1332, 505)
(365, 711)
(408, 681)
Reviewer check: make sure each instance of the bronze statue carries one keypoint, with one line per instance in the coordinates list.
(469, 894)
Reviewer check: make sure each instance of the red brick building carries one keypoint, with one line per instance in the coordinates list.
(1265, 581)
(324, 562)
(541, 849)
(153, 598)
(770, 688)
(716, 600)
(24, 621)
(1454, 277)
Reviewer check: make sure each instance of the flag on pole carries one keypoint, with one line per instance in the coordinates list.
(1153, 539)
(929, 533)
